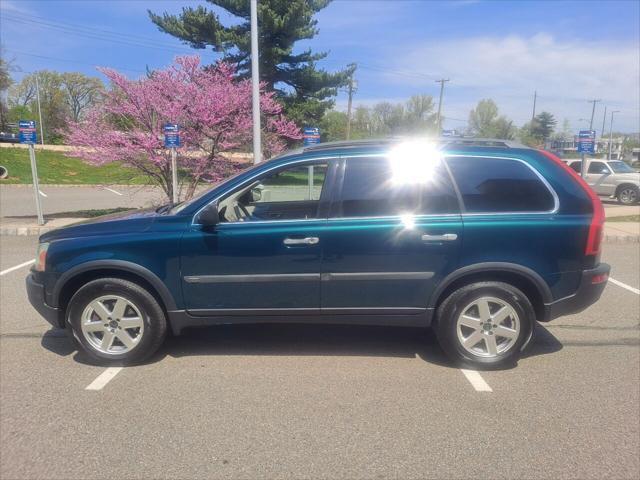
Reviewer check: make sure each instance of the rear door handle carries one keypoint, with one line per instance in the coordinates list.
(445, 237)
(301, 241)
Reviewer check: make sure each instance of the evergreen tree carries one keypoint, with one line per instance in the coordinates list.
(305, 90)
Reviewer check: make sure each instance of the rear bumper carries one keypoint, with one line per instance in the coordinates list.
(35, 292)
(587, 294)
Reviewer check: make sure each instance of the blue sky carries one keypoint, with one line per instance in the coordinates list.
(568, 51)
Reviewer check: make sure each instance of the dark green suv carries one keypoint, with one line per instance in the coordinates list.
(479, 239)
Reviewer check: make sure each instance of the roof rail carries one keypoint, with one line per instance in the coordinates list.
(442, 141)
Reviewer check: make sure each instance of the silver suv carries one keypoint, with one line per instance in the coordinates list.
(613, 178)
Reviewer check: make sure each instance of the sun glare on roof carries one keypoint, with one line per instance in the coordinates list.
(414, 161)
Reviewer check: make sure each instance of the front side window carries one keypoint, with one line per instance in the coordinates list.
(621, 167)
(598, 168)
(490, 185)
(289, 194)
(370, 189)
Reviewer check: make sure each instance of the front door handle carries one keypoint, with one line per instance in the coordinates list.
(301, 241)
(445, 237)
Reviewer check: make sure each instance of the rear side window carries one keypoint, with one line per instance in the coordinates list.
(489, 185)
(368, 191)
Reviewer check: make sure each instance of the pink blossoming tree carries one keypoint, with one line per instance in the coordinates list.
(212, 107)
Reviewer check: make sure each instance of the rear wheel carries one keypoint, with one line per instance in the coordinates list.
(628, 195)
(485, 323)
(116, 321)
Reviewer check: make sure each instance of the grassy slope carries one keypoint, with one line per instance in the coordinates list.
(55, 167)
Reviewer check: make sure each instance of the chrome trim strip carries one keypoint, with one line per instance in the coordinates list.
(352, 276)
(257, 278)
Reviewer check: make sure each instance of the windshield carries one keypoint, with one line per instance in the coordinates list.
(181, 206)
(621, 167)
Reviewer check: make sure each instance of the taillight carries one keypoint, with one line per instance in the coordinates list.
(596, 228)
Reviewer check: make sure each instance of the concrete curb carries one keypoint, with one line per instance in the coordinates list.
(78, 185)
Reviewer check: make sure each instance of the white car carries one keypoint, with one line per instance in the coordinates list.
(613, 178)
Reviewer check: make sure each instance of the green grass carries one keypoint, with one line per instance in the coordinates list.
(55, 167)
(626, 218)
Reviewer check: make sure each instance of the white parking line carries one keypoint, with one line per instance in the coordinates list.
(112, 190)
(624, 285)
(476, 380)
(42, 193)
(104, 378)
(9, 270)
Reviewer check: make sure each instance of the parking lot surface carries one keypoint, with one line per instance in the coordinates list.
(323, 401)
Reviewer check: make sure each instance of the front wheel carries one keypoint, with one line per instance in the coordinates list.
(116, 322)
(485, 324)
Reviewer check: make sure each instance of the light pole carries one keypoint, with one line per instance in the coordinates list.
(255, 84)
(611, 131)
(442, 81)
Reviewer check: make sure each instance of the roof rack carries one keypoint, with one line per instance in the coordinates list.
(442, 141)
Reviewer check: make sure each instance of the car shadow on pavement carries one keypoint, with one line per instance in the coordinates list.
(302, 340)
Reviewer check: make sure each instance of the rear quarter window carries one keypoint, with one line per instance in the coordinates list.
(494, 185)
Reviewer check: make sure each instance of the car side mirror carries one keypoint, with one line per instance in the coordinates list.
(209, 217)
(604, 171)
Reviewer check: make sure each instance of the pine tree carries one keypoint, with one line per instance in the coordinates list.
(305, 90)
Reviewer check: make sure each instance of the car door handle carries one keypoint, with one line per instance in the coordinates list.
(445, 237)
(301, 241)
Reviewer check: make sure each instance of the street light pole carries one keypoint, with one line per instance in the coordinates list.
(611, 131)
(441, 82)
(39, 110)
(255, 84)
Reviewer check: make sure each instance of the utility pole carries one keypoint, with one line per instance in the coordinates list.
(39, 110)
(255, 84)
(535, 97)
(611, 132)
(593, 111)
(604, 118)
(351, 91)
(442, 81)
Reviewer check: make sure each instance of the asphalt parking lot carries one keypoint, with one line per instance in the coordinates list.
(323, 401)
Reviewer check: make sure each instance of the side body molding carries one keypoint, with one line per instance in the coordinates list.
(121, 265)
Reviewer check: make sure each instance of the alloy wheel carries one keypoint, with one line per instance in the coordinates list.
(112, 324)
(488, 327)
(628, 195)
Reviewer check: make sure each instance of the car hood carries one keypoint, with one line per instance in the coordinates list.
(123, 222)
(633, 177)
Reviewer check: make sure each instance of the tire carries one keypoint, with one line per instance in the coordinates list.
(130, 318)
(628, 194)
(489, 347)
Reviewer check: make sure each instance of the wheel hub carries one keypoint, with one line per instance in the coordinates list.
(488, 326)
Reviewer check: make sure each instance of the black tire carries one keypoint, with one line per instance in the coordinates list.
(153, 318)
(628, 194)
(453, 306)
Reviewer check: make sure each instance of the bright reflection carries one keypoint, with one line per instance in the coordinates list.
(408, 221)
(414, 161)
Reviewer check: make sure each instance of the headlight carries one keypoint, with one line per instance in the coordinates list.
(41, 257)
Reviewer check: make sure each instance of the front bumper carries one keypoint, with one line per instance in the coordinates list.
(35, 292)
(587, 294)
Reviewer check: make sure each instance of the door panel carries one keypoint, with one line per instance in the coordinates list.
(248, 266)
(600, 179)
(265, 253)
(391, 235)
(385, 263)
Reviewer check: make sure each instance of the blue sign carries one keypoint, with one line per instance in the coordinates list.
(27, 130)
(449, 133)
(311, 135)
(171, 135)
(586, 141)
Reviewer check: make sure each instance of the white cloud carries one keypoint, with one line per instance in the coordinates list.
(508, 69)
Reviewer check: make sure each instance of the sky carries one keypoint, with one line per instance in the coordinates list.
(568, 51)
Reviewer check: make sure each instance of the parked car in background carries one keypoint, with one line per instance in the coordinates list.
(613, 178)
(478, 239)
(8, 137)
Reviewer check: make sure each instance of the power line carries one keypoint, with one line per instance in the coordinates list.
(67, 60)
